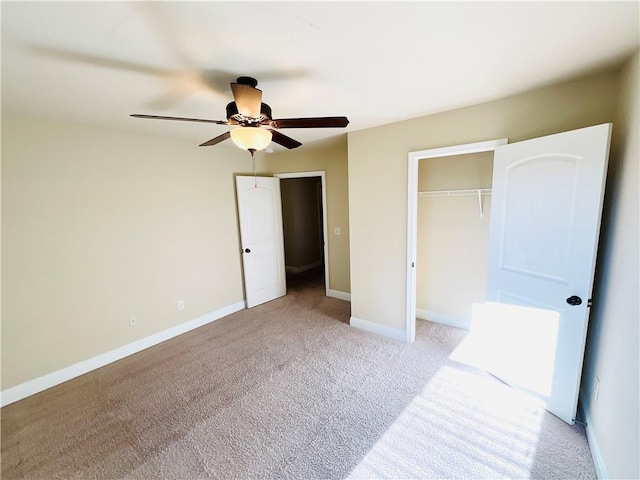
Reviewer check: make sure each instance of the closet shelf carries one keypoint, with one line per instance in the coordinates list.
(458, 193)
(452, 193)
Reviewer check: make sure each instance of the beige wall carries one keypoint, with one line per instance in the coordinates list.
(378, 176)
(301, 220)
(331, 157)
(612, 345)
(452, 238)
(98, 226)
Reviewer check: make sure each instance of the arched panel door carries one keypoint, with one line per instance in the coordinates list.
(260, 213)
(545, 224)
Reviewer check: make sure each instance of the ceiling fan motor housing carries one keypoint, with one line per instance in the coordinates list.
(233, 116)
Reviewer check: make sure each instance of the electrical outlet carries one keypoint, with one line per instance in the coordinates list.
(596, 388)
(133, 321)
(180, 305)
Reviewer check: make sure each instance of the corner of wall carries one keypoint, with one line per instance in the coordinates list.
(612, 344)
(592, 439)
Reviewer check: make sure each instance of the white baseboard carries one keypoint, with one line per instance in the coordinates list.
(377, 328)
(449, 320)
(596, 453)
(338, 294)
(39, 384)
(303, 268)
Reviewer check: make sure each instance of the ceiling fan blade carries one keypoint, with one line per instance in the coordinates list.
(283, 140)
(314, 122)
(182, 119)
(216, 140)
(248, 99)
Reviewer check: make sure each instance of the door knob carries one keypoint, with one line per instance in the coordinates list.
(574, 301)
(247, 250)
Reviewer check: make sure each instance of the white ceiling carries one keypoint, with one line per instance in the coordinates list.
(375, 62)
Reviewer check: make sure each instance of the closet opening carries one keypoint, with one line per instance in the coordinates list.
(454, 208)
(448, 212)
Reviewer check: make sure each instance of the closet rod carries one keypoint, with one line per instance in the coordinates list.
(457, 193)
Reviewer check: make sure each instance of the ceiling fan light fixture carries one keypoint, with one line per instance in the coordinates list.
(251, 138)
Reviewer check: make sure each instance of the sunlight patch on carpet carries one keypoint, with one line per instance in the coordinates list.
(492, 434)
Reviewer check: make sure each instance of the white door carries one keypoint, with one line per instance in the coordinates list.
(545, 222)
(260, 212)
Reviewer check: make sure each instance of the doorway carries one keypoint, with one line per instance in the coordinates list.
(305, 228)
(412, 216)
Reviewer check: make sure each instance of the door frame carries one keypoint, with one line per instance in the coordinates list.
(412, 216)
(321, 174)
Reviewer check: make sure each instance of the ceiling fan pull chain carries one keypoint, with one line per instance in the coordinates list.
(253, 164)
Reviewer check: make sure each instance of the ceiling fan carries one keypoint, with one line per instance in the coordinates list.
(253, 118)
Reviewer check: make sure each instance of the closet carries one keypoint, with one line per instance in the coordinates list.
(454, 206)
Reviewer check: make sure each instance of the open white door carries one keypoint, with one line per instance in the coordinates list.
(260, 212)
(545, 223)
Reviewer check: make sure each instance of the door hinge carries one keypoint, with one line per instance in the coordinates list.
(589, 303)
(413, 264)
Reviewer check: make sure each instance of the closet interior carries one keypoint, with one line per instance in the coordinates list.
(454, 208)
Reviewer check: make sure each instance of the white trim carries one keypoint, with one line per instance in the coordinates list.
(39, 384)
(338, 294)
(451, 321)
(412, 241)
(303, 268)
(596, 453)
(477, 147)
(377, 328)
(412, 215)
(321, 174)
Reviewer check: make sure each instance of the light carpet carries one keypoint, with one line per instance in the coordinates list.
(289, 390)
